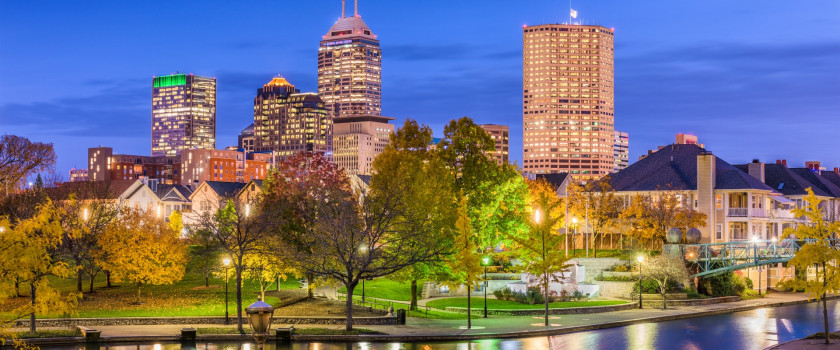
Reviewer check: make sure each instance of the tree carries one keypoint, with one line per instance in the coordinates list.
(596, 202)
(20, 158)
(428, 193)
(204, 253)
(464, 264)
(344, 235)
(238, 228)
(650, 216)
(817, 233)
(662, 269)
(266, 267)
(32, 256)
(539, 249)
(142, 250)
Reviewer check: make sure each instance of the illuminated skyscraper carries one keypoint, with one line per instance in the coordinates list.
(500, 134)
(183, 114)
(287, 121)
(621, 150)
(349, 68)
(568, 94)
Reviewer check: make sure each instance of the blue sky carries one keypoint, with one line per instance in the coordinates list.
(753, 79)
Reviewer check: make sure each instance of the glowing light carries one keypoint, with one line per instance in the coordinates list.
(157, 347)
(85, 214)
(226, 261)
(2, 229)
(773, 239)
(574, 221)
(640, 258)
(537, 216)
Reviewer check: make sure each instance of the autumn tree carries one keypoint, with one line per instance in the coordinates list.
(32, 256)
(597, 204)
(204, 253)
(266, 267)
(465, 263)
(143, 250)
(664, 269)
(649, 217)
(818, 249)
(539, 248)
(428, 193)
(237, 228)
(20, 158)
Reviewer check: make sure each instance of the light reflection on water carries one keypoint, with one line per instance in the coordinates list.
(754, 329)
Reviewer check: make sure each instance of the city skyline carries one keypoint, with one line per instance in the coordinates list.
(703, 80)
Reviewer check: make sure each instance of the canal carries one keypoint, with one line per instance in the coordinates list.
(754, 329)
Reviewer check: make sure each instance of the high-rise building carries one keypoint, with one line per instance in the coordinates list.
(287, 121)
(349, 68)
(358, 140)
(246, 139)
(621, 150)
(501, 135)
(568, 94)
(183, 114)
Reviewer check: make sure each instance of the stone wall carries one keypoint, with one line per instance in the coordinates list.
(537, 311)
(689, 302)
(615, 289)
(279, 320)
(595, 266)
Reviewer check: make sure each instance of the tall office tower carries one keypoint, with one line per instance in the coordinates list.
(183, 114)
(287, 121)
(246, 139)
(568, 95)
(358, 140)
(349, 68)
(500, 134)
(621, 150)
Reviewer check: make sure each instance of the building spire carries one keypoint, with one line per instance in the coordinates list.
(342, 8)
(356, 8)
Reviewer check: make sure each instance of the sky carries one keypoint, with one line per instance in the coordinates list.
(752, 79)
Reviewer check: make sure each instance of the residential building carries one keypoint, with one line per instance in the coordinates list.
(621, 150)
(349, 68)
(197, 165)
(680, 139)
(358, 140)
(145, 194)
(183, 114)
(501, 136)
(568, 100)
(78, 175)
(246, 139)
(794, 182)
(287, 122)
(210, 196)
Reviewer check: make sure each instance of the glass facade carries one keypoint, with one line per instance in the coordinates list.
(287, 121)
(183, 114)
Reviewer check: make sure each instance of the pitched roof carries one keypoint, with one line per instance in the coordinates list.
(90, 189)
(817, 181)
(556, 180)
(789, 183)
(171, 192)
(225, 189)
(674, 167)
(831, 177)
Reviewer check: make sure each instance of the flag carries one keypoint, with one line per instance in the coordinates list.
(573, 13)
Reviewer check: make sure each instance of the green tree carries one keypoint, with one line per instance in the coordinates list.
(596, 203)
(817, 233)
(465, 264)
(539, 249)
(143, 250)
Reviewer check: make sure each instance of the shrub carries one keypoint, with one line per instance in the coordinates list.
(725, 285)
(531, 297)
(650, 286)
(748, 282)
(789, 286)
(621, 268)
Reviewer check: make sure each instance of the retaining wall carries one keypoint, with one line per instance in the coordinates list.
(115, 321)
(613, 289)
(560, 311)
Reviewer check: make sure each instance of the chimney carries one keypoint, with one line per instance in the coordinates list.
(837, 170)
(756, 169)
(781, 162)
(813, 165)
(706, 173)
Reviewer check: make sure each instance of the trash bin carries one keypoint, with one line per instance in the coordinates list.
(401, 316)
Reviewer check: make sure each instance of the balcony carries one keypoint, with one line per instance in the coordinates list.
(780, 214)
(747, 212)
(738, 212)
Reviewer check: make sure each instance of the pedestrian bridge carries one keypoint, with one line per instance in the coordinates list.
(716, 258)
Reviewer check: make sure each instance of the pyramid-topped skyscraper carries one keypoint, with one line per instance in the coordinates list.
(349, 68)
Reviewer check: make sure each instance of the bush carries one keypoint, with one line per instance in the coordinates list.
(650, 286)
(617, 278)
(531, 297)
(748, 282)
(789, 286)
(727, 284)
(621, 268)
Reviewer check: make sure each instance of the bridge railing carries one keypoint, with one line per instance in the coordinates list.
(712, 257)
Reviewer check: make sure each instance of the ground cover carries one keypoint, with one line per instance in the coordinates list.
(188, 297)
(495, 304)
(49, 333)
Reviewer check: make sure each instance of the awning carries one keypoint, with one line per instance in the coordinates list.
(782, 200)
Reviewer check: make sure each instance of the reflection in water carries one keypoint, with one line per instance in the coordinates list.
(755, 329)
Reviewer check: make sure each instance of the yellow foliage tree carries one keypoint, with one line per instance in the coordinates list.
(650, 217)
(597, 204)
(142, 249)
(817, 250)
(464, 266)
(266, 267)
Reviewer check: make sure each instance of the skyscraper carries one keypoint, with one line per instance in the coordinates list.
(287, 121)
(349, 68)
(183, 114)
(500, 134)
(621, 150)
(568, 94)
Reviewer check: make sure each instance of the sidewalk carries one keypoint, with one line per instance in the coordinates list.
(503, 327)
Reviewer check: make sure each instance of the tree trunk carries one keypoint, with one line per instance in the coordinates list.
(469, 310)
(349, 305)
(825, 310)
(108, 279)
(92, 278)
(278, 283)
(17, 287)
(413, 305)
(239, 297)
(138, 293)
(206, 280)
(309, 278)
(545, 283)
(79, 277)
(664, 302)
(32, 302)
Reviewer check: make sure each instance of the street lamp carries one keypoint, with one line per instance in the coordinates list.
(486, 261)
(574, 233)
(640, 259)
(755, 256)
(226, 262)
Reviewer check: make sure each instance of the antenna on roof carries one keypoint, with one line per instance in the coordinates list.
(356, 8)
(342, 8)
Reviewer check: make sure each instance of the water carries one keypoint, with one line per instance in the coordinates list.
(754, 329)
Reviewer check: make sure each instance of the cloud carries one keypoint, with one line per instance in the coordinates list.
(447, 52)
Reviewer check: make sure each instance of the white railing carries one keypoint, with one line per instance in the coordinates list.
(758, 213)
(740, 212)
(780, 214)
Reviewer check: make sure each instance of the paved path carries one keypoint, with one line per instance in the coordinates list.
(420, 327)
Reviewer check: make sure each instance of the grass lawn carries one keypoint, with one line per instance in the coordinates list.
(188, 297)
(495, 304)
(383, 288)
(51, 333)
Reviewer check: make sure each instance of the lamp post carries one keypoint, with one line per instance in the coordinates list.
(226, 262)
(260, 316)
(755, 256)
(363, 290)
(640, 259)
(574, 233)
(485, 261)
